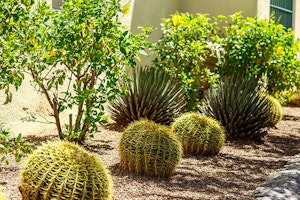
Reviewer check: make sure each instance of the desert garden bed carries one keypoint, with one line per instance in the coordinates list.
(233, 174)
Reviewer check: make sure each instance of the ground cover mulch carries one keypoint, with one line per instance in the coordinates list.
(233, 174)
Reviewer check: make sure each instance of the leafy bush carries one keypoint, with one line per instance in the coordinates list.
(18, 147)
(182, 51)
(260, 48)
(76, 58)
(152, 95)
(13, 14)
(64, 170)
(149, 148)
(241, 108)
(199, 134)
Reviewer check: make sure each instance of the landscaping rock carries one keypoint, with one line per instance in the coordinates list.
(282, 185)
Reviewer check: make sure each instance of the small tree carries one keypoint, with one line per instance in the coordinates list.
(76, 56)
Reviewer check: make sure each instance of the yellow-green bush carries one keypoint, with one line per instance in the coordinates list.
(199, 134)
(260, 48)
(64, 170)
(149, 148)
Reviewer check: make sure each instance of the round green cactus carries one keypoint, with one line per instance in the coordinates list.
(199, 134)
(64, 170)
(149, 148)
(276, 110)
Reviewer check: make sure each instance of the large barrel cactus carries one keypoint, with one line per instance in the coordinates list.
(200, 135)
(149, 148)
(276, 110)
(64, 170)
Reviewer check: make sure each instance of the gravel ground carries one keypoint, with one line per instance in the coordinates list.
(235, 173)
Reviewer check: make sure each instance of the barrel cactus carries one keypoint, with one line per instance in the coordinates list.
(149, 148)
(200, 135)
(64, 170)
(276, 111)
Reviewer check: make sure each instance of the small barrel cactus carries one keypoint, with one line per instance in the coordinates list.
(2, 194)
(149, 148)
(200, 135)
(276, 110)
(64, 170)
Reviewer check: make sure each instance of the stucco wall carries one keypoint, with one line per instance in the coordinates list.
(150, 12)
(251, 8)
(217, 7)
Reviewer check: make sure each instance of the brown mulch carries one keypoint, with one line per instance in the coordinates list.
(233, 174)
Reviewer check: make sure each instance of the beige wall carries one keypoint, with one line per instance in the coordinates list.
(296, 17)
(150, 12)
(217, 7)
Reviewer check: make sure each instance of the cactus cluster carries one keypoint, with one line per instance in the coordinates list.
(276, 111)
(64, 170)
(149, 148)
(200, 135)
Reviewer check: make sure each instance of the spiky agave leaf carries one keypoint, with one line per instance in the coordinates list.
(240, 107)
(152, 94)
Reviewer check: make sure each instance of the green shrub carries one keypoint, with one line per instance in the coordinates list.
(9, 145)
(182, 51)
(276, 111)
(152, 95)
(149, 148)
(64, 170)
(260, 48)
(241, 108)
(199, 134)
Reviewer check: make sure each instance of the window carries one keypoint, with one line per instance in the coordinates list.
(283, 11)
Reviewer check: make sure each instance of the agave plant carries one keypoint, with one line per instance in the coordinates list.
(240, 107)
(152, 94)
